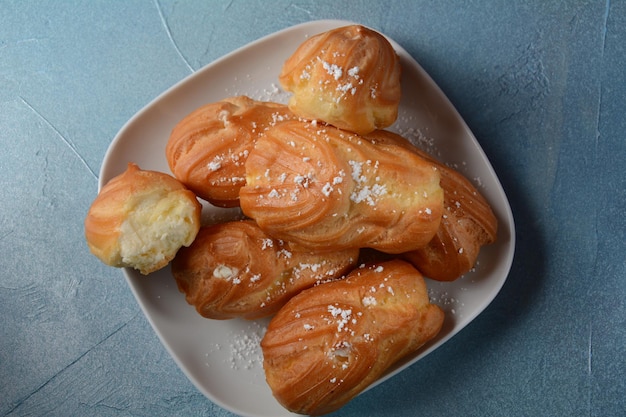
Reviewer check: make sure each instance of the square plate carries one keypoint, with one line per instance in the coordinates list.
(223, 358)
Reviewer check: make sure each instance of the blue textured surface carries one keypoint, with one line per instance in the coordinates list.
(542, 84)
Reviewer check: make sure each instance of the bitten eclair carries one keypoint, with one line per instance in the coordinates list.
(140, 219)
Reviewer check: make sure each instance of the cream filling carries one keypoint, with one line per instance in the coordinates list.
(155, 230)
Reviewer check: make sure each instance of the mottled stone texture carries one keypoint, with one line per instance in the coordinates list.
(541, 84)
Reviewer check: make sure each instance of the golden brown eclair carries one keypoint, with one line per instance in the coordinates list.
(140, 219)
(325, 188)
(348, 77)
(207, 149)
(467, 223)
(236, 270)
(330, 342)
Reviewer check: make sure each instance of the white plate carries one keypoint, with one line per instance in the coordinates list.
(222, 358)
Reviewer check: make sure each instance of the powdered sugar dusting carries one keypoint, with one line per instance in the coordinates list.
(364, 192)
(369, 301)
(241, 351)
(332, 69)
(447, 300)
(342, 316)
(216, 163)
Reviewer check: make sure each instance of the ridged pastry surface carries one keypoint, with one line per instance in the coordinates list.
(207, 149)
(331, 341)
(348, 77)
(325, 188)
(234, 269)
(467, 224)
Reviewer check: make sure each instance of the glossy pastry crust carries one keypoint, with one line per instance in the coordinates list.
(140, 219)
(468, 222)
(328, 343)
(236, 270)
(207, 149)
(348, 77)
(325, 188)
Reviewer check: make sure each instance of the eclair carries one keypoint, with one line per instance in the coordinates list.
(207, 149)
(330, 342)
(325, 188)
(140, 219)
(467, 224)
(348, 77)
(234, 269)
